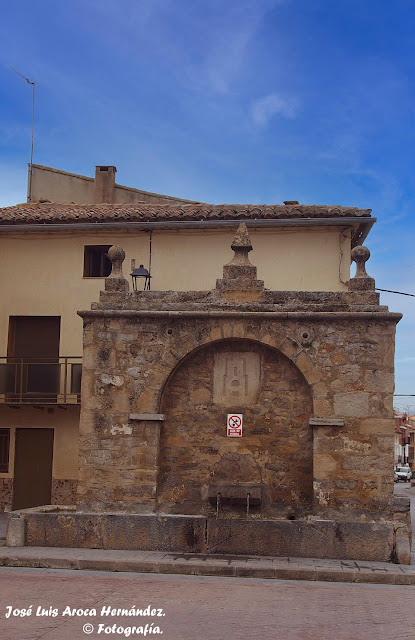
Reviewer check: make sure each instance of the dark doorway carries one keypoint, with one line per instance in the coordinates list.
(33, 357)
(32, 484)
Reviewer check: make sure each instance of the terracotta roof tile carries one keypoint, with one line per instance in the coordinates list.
(44, 213)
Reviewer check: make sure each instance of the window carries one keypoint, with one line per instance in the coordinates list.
(4, 450)
(96, 261)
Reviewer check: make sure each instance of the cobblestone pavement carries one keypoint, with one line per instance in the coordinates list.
(201, 608)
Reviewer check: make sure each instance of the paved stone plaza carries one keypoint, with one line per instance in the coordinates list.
(206, 608)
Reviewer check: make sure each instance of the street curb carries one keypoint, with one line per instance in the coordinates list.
(309, 569)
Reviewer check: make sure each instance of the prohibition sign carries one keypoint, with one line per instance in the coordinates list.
(235, 422)
(234, 425)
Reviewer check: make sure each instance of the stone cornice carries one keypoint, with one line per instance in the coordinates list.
(265, 315)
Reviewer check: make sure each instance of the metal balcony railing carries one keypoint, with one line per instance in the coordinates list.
(40, 381)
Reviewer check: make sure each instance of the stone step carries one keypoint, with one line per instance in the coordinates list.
(348, 571)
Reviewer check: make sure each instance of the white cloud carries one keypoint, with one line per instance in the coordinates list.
(273, 105)
(227, 43)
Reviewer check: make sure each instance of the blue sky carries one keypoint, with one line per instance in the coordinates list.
(254, 101)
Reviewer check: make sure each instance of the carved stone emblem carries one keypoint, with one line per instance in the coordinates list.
(236, 378)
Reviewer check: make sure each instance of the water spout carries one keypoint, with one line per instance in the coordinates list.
(247, 503)
(217, 504)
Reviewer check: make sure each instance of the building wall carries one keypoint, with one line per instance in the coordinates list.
(45, 271)
(65, 423)
(128, 195)
(60, 186)
(64, 187)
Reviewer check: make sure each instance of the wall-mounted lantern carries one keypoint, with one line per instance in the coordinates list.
(140, 272)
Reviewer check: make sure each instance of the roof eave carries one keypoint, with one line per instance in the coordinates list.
(360, 226)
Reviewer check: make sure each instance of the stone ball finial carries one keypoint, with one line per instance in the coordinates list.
(117, 257)
(361, 281)
(360, 255)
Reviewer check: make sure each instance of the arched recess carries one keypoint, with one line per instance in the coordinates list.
(275, 451)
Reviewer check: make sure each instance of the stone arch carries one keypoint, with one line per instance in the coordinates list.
(275, 451)
(188, 343)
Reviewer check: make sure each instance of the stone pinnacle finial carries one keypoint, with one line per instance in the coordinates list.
(239, 275)
(242, 239)
(241, 245)
(361, 281)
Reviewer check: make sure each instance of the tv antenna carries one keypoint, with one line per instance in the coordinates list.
(29, 192)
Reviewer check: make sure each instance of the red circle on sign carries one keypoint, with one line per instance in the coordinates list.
(235, 422)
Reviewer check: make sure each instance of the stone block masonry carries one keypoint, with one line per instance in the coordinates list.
(170, 364)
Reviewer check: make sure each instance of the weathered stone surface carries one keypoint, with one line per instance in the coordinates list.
(147, 417)
(194, 443)
(378, 426)
(6, 493)
(326, 422)
(295, 538)
(352, 404)
(16, 533)
(64, 491)
(402, 546)
(152, 352)
(240, 276)
(116, 531)
(361, 281)
(236, 378)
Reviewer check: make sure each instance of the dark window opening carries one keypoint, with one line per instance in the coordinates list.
(4, 450)
(96, 261)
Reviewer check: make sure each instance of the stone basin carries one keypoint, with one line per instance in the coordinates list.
(307, 538)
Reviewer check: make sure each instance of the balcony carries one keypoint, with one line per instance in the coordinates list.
(29, 381)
